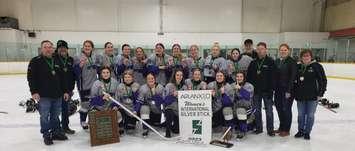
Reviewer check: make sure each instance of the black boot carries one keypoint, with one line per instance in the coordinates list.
(307, 136)
(59, 136)
(67, 130)
(271, 133)
(167, 133)
(47, 139)
(299, 134)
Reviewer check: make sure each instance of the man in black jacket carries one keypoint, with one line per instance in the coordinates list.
(260, 74)
(285, 76)
(44, 78)
(66, 65)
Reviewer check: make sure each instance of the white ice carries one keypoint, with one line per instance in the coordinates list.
(20, 130)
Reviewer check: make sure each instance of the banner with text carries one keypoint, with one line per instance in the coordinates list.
(195, 116)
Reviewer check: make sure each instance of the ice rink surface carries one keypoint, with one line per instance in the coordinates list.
(331, 132)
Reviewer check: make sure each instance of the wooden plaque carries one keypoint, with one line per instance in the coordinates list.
(103, 127)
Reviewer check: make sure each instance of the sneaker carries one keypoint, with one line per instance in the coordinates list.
(299, 134)
(59, 136)
(307, 137)
(68, 131)
(84, 125)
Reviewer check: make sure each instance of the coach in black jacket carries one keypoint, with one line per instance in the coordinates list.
(260, 74)
(311, 83)
(45, 81)
(66, 65)
(284, 79)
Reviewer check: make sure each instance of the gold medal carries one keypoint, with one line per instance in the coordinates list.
(53, 72)
(302, 78)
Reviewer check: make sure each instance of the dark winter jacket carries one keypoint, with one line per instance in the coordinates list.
(311, 82)
(263, 81)
(42, 80)
(285, 74)
(66, 65)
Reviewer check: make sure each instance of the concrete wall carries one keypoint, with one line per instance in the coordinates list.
(183, 16)
(340, 15)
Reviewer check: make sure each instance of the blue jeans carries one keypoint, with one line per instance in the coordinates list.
(284, 109)
(306, 111)
(49, 110)
(267, 97)
(65, 114)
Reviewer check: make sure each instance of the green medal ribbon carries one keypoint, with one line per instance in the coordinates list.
(107, 89)
(128, 92)
(65, 61)
(259, 65)
(50, 63)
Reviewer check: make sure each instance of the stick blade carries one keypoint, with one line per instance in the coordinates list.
(221, 144)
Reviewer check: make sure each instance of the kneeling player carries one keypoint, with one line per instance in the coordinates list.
(222, 102)
(171, 102)
(243, 103)
(127, 93)
(100, 101)
(150, 99)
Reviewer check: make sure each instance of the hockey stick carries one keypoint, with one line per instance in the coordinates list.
(324, 106)
(4, 112)
(139, 119)
(222, 142)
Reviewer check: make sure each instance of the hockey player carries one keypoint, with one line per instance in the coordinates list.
(196, 82)
(108, 58)
(237, 63)
(222, 101)
(150, 100)
(159, 64)
(178, 61)
(171, 102)
(140, 66)
(100, 101)
(213, 63)
(123, 61)
(86, 66)
(127, 94)
(243, 97)
(194, 60)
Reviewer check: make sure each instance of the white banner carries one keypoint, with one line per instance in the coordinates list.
(195, 116)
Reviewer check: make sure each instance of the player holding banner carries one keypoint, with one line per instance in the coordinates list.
(171, 102)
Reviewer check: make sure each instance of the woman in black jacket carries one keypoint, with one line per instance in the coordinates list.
(285, 76)
(311, 83)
